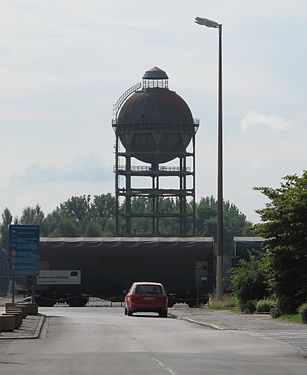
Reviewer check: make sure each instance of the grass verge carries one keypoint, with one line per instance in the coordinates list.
(225, 304)
(229, 303)
(291, 318)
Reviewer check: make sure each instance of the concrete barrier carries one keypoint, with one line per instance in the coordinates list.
(7, 322)
(29, 308)
(7, 305)
(14, 314)
(17, 314)
(15, 309)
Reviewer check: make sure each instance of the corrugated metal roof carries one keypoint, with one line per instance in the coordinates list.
(249, 239)
(126, 239)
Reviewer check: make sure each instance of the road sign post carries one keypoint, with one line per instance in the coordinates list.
(23, 252)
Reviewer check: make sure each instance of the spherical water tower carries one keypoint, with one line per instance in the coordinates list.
(155, 126)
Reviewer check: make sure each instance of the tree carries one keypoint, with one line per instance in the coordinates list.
(109, 229)
(7, 219)
(81, 216)
(32, 215)
(67, 228)
(235, 223)
(92, 229)
(103, 209)
(50, 223)
(206, 212)
(97, 216)
(78, 209)
(284, 224)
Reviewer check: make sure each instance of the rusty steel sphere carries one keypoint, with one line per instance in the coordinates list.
(155, 124)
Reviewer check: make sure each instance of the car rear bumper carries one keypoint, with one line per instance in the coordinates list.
(147, 308)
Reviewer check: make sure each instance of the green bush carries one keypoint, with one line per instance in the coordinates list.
(276, 312)
(265, 305)
(248, 280)
(302, 310)
(248, 307)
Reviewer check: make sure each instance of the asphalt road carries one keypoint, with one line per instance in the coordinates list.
(102, 340)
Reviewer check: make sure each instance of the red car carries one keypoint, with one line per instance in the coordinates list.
(146, 296)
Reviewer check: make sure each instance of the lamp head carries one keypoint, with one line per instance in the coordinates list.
(206, 22)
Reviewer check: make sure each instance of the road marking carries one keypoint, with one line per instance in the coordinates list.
(164, 366)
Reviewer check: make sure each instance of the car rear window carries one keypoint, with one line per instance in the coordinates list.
(148, 289)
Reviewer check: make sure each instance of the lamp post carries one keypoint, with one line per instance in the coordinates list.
(220, 241)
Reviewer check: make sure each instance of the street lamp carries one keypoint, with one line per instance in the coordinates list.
(220, 242)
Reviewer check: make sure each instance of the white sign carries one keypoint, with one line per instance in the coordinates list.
(60, 277)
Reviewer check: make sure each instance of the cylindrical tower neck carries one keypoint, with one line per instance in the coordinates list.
(155, 83)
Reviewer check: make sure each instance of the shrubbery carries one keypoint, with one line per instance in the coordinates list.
(248, 282)
(265, 305)
(276, 312)
(302, 310)
(248, 307)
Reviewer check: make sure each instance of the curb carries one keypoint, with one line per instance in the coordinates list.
(211, 325)
(39, 327)
(206, 324)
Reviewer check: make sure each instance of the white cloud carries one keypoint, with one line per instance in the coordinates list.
(88, 168)
(49, 183)
(255, 119)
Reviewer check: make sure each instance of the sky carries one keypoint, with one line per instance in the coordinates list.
(64, 64)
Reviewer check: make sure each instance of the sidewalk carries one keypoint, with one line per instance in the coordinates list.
(30, 328)
(227, 320)
(255, 324)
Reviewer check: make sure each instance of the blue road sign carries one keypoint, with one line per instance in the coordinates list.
(23, 250)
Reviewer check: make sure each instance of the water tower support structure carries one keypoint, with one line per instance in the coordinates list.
(125, 192)
(155, 128)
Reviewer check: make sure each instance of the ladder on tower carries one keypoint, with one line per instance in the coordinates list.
(124, 96)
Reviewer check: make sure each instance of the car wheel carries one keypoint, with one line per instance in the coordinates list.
(125, 310)
(163, 314)
(129, 312)
(77, 302)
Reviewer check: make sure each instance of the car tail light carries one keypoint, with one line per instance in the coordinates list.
(136, 297)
